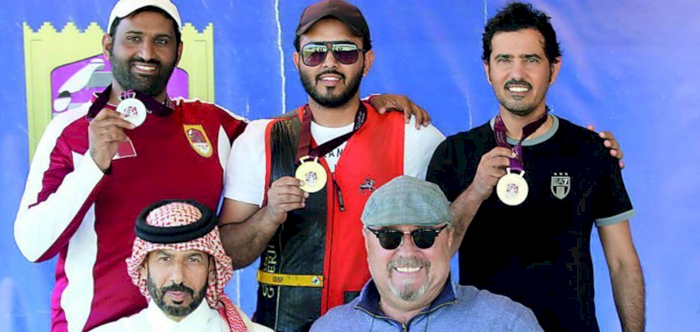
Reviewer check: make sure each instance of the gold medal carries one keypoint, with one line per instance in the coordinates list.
(312, 173)
(512, 188)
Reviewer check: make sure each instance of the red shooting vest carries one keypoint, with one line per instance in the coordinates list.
(324, 240)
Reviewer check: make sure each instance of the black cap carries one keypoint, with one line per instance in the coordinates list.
(338, 9)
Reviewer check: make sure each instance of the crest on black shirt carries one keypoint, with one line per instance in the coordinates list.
(561, 185)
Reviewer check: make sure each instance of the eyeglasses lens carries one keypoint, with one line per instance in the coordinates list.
(422, 238)
(314, 54)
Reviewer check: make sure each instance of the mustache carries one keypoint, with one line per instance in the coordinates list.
(141, 60)
(514, 82)
(408, 262)
(177, 288)
(318, 77)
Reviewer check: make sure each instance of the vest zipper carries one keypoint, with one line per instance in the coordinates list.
(339, 194)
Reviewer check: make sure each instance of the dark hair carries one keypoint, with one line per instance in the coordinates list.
(366, 42)
(115, 24)
(518, 16)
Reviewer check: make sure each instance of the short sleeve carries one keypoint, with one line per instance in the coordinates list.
(442, 170)
(245, 169)
(611, 201)
(419, 145)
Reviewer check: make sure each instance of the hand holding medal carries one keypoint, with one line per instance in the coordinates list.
(512, 189)
(105, 134)
(106, 129)
(284, 195)
(490, 170)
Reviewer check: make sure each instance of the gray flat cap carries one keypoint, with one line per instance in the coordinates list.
(406, 200)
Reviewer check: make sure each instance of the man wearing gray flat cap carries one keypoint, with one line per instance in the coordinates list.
(408, 233)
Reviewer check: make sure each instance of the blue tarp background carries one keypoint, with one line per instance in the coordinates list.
(629, 66)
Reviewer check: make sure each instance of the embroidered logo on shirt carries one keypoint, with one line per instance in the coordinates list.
(198, 140)
(367, 187)
(561, 184)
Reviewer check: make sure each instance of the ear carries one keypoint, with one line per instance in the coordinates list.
(107, 46)
(144, 267)
(486, 70)
(179, 53)
(369, 59)
(212, 271)
(212, 264)
(366, 234)
(554, 71)
(296, 60)
(450, 232)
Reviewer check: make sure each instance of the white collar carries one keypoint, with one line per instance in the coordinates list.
(200, 319)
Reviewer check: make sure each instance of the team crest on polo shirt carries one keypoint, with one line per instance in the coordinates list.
(561, 184)
(198, 140)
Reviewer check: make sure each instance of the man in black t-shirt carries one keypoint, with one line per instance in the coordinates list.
(537, 250)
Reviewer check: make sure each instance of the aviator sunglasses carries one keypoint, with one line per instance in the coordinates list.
(423, 238)
(313, 54)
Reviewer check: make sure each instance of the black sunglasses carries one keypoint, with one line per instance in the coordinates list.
(313, 54)
(391, 239)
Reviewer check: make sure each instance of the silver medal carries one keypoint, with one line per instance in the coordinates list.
(133, 110)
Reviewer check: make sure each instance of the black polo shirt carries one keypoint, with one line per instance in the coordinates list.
(538, 253)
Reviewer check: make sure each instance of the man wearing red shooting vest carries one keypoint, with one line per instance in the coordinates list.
(308, 233)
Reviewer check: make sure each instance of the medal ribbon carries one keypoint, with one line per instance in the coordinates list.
(499, 129)
(304, 147)
(153, 105)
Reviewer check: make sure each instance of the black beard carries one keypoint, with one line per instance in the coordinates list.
(328, 99)
(177, 311)
(149, 85)
(519, 111)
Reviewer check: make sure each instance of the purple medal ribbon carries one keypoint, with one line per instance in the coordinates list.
(152, 105)
(499, 129)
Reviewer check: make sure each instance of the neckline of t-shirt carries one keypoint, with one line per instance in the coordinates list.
(344, 129)
(537, 140)
(323, 134)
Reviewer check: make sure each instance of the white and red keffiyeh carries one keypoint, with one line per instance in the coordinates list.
(183, 213)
